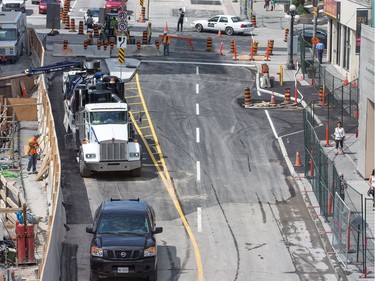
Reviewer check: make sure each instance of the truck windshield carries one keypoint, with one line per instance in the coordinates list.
(108, 117)
(8, 34)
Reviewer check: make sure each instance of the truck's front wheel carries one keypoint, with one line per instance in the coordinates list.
(83, 170)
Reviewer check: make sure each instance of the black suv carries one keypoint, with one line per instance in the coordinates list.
(123, 245)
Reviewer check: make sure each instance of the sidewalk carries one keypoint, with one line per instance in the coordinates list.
(345, 164)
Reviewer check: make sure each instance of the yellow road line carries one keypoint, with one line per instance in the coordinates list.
(167, 180)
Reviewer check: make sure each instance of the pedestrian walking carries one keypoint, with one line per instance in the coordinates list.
(32, 153)
(320, 49)
(272, 5)
(166, 41)
(180, 22)
(343, 186)
(113, 24)
(371, 191)
(149, 33)
(89, 22)
(339, 137)
(267, 5)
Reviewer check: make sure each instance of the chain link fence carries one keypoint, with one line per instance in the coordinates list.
(353, 239)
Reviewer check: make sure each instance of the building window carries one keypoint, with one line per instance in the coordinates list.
(346, 50)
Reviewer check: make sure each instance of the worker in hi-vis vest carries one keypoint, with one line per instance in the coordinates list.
(166, 42)
(33, 153)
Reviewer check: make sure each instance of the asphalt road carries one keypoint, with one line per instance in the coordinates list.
(243, 208)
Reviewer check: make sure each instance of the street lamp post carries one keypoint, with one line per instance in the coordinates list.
(292, 16)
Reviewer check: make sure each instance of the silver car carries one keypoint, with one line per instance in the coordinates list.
(225, 23)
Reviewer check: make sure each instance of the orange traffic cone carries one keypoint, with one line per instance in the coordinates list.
(346, 81)
(219, 34)
(166, 27)
(298, 160)
(273, 99)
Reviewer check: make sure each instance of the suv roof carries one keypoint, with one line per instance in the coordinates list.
(124, 206)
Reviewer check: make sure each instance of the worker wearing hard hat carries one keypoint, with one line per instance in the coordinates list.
(33, 153)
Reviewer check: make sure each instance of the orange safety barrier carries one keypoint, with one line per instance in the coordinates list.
(143, 14)
(235, 51)
(157, 44)
(112, 43)
(67, 22)
(80, 27)
(99, 44)
(96, 30)
(85, 43)
(209, 44)
(253, 50)
(188, 39)
(138, 44)
(247, 96)
(270, 47)
(254, 21)
(321, 95)
(286, 34)
(231, 50)
(265, 68)
(287, 95)
(144, 37)
(65, 44)
(72, 25)
(298, 160)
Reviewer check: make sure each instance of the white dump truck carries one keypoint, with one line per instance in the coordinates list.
(13, 35)
(97, 115)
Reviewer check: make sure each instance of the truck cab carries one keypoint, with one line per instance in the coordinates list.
(12, 36)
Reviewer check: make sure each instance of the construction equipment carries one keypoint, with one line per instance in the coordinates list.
(53, 67)
(97, 116)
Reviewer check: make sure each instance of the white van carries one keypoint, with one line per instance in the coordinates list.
(13, 35)
(14, 5)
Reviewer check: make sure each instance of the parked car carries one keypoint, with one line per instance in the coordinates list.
(43, 5)
(307, 34)
(225, 23)
(94, 12)
(114, 5)
(123, 243)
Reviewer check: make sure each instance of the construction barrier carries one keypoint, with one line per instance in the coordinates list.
(267, 54)
(72, 25)
(253, 50)
(287, 95)
(143, 14)
(270, 47)
(89, 38)
(96, 30)
(265, 68)
(67, 22)
(99, 44)
(112, 43)
(209, 44)
(247, 96)
(105, 44)
(157, 44)
(144, 37)
(254, 21)
(80, 27)
(231, 50)
(65, 44)
(138, 44)
(286, 34)
(220, 53)
(85, 43)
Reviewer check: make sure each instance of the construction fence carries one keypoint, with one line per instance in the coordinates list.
(353, 239)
